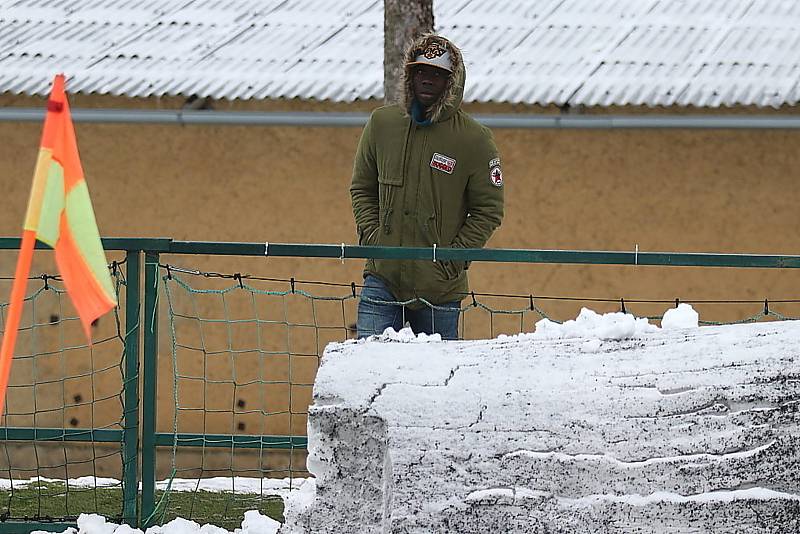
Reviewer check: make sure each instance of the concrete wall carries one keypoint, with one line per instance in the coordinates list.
(676, 190)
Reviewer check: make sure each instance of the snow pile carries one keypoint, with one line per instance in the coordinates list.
(405, 335)
(595, 328)
(298, 503)
(691, 429)
(281, 487)
(255, 486)
(590, 324)
(254, 523)
(80, 482)
(683, 316)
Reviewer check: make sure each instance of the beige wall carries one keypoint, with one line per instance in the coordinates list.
(665, 190)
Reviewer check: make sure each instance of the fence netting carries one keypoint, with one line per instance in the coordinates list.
(245, 350)
(60, 451)
(237, 358)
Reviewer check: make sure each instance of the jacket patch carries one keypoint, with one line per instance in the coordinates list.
(443, 163)
(494, 163)
(496, 176)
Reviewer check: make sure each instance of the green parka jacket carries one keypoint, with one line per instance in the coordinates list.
(417, 185)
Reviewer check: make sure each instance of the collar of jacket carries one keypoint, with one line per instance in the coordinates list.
(418, 114)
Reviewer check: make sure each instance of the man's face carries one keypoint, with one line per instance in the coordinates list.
(429, 83)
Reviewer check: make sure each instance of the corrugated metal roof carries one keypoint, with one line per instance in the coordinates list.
(594, 52)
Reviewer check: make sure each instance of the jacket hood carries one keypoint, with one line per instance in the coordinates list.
(453, 94)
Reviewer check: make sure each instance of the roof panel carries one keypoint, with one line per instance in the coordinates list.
(609, 52)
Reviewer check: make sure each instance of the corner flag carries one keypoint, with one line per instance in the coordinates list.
(60, 214)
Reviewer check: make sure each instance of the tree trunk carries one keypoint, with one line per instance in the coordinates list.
(403, 21)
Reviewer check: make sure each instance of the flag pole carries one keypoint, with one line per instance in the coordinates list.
(59, 214)
(15, 311)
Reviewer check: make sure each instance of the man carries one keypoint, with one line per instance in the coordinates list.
(425, 174)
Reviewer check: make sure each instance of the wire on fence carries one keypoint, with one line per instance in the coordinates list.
(61, 452)
(244, 357)
(239, 380)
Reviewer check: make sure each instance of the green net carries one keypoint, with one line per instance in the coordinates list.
(243, 364)
(62, 453)
(237, 358)
(245, 350)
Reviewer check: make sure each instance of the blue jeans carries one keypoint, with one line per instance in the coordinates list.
(377, 311)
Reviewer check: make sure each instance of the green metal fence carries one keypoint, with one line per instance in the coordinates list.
(137, 437)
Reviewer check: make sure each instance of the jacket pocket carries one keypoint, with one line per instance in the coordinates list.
(450, 269)
(431, 230)
(396, 180)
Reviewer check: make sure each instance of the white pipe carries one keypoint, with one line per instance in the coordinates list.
(358, 119)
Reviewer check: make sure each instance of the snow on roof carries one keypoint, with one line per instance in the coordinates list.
(613, 52)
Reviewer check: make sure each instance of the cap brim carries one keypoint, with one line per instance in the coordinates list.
(429, 64)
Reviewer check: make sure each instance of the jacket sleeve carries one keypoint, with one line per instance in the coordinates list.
(364, 187)
(484, 198)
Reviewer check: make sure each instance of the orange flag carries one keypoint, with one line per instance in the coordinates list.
(60, 214)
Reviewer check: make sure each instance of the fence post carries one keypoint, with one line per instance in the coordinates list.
(149, 387)
(130, 485)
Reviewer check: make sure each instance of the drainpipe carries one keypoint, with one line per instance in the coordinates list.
(332, 119)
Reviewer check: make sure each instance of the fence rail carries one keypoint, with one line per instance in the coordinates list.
(139, 438)
(344, 251)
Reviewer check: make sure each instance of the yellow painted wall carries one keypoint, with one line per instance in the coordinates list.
(665, 190)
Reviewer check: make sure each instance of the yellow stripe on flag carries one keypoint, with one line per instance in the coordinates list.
(83, 226)
(37, 189)
(52, 206)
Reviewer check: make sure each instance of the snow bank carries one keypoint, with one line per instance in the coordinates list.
(590, 324)
(254, 523)
(604, 423)
(255, 486)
